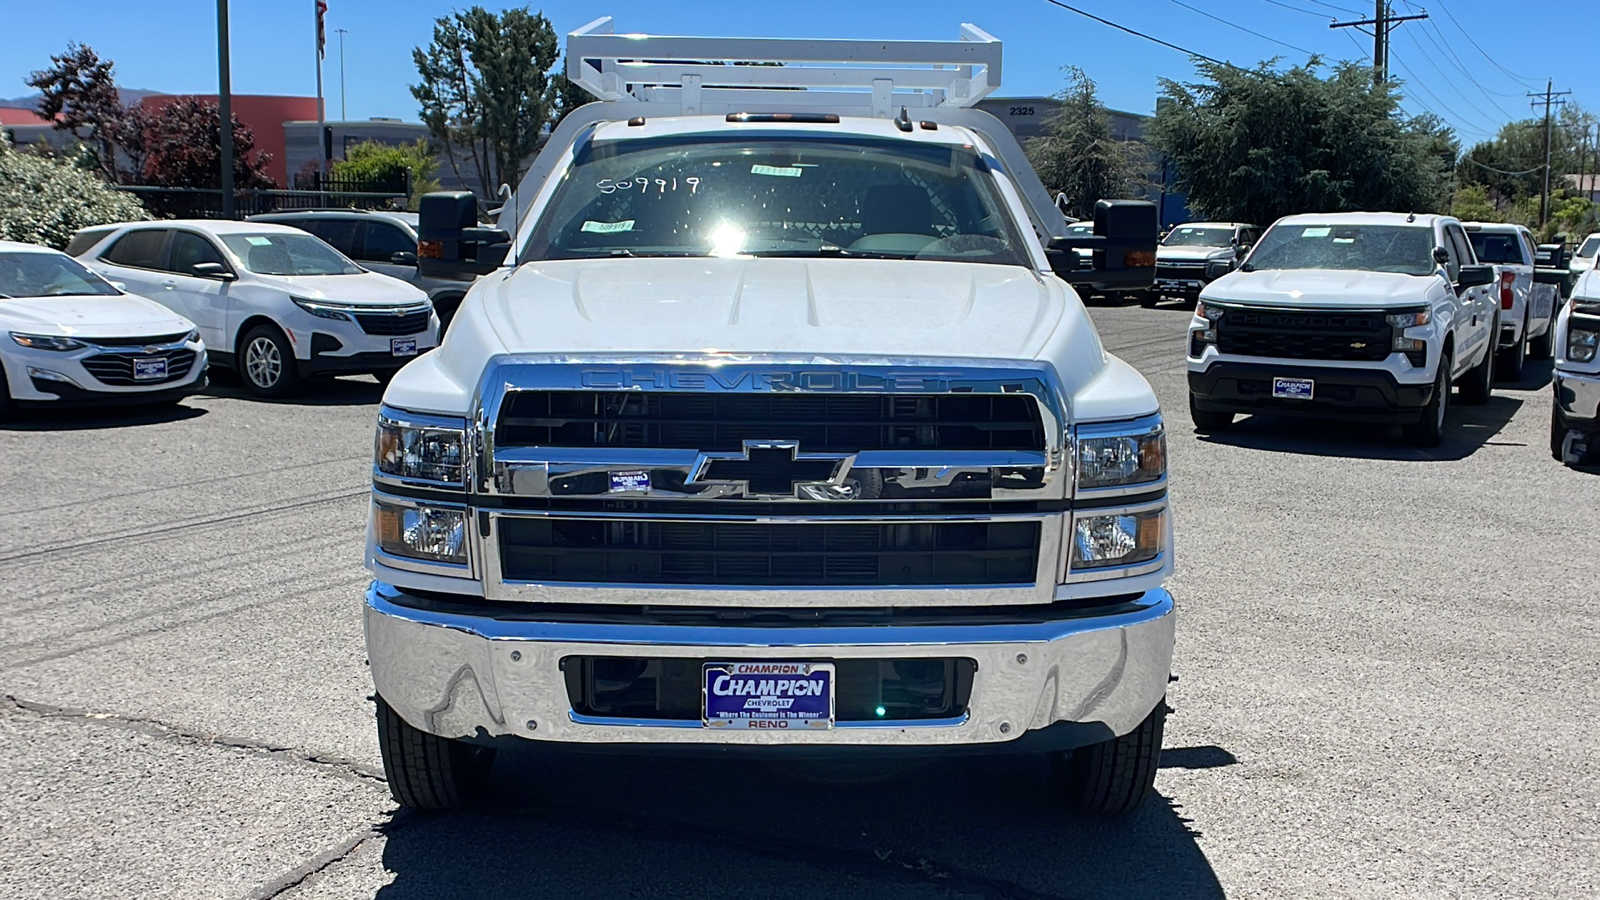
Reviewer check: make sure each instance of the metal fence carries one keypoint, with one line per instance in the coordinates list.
(311, 192)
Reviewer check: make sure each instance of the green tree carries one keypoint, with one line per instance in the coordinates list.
(1471, 204)
(79, 92)
(44, 199)
(1255, 145)
(485, 89)
(371, 162)
(566, 96)
(1078, 156)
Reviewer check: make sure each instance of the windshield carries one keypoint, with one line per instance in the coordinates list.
(767, 196)
(1190, 236)
(288, 254)
(1403, 249)
(48, 275)
(1496, 247)
(1589, 247)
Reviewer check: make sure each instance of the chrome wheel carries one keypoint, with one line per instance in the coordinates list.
(263, 362)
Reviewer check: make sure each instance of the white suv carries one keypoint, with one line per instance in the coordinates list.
(277, 304)
(1370, 316)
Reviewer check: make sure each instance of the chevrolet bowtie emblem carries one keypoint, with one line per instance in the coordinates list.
(775, 468)
(1357, 345)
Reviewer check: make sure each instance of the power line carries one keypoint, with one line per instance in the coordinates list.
(1242, 28)
(1453, 81)
(1151, 38)
(1343, 9)
(1526, 82)
(1440, 42)
(1299, 9)
(1424, 88)
(1383, 22)
(1549, 96)
(1501, 171)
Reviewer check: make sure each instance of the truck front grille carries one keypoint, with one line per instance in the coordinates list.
(1180, 270)
(387, 323)
(821, 423)
(864, 689)
(1295, 334)
(793, 554)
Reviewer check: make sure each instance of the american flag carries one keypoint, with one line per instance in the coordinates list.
(322, 34)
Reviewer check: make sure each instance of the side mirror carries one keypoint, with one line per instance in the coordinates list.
(1475, 275)
(403, 258)
(449, 242)
(1122, 248)
(212, 270)
(1441, 256)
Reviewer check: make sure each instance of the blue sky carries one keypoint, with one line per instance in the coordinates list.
(169, 45)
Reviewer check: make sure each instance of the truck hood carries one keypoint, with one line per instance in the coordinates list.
(127, 315)
(1319, 287)
(778, 306)
(1192, 254)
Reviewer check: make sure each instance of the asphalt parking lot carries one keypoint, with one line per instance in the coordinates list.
(1387, 657)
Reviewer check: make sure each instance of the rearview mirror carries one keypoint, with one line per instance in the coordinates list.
(1122, 248)
(212, 270)
(449, 242)
(1441, 256)
(403, 258)
(1475, 275)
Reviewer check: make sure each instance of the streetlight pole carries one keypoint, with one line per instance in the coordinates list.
(343, 116)
(225, 110)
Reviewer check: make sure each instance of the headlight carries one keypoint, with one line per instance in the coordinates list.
(1581, 345)
(46, 342)
(1117, 460)
(1400, 320)
(322, 310)
(422, 448)
(421, 532)
(192, 337)
(1121, 539)
(1207, 335)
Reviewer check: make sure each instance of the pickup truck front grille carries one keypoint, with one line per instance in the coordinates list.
(794, 554)
(821, 423)
(1183, 270)
(1305, 334)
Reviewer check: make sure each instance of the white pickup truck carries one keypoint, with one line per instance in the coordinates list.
(1527, 301)
(774, 425)
(1365, 316)
(1575, 417)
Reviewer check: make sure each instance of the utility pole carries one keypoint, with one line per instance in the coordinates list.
(225, 110)
(1383, 21)
(343, 117)
(1549, 96)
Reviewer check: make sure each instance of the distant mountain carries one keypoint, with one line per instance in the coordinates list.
(129, 96)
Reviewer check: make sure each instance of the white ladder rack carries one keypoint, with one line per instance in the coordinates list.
(715, 75)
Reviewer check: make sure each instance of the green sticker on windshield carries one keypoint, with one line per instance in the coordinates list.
(780, 171)
(259, 241)
(1317, 232)
(607, 227)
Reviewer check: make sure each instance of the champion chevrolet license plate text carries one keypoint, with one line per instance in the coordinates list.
(1293, 388)
(775, 695)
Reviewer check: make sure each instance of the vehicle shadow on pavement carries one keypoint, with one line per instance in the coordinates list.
(1466, 429)
(94, 419)
(591, 825)
(1536, 374)
(352, 391)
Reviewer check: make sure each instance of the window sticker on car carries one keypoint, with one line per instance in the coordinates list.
(607, 227)
(779, 171)
(259, 241)
(1316, 232)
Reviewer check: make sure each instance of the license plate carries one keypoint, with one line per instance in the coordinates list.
(403, 346)
(150, 369)
(1293, 388)
(768, 695)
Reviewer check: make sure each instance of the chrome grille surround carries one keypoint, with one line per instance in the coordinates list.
(549, 481)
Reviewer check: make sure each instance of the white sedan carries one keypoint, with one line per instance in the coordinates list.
(71, 338)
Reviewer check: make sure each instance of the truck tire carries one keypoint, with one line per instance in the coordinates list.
(426, 771)
(1206, 420)
(1428, 431)
(1113, 777)
(1512, 358)
(1478, 384)
(1149, 299)
(267, 364)
(1544, 346)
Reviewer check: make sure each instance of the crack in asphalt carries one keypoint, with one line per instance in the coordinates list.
(312, 867)
(344, 768)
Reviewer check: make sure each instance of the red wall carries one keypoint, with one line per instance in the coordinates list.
(262, 114)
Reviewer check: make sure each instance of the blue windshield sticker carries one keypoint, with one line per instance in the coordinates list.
(630, 481)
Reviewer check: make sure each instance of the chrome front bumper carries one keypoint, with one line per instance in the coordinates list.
(462, 676)
(1578, 396)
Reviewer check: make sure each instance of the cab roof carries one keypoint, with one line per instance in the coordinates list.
(1365, 218)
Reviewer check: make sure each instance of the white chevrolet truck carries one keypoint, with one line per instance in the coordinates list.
(1575, 417)
(770, 427)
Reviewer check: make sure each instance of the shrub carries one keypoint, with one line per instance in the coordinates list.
(44, 199)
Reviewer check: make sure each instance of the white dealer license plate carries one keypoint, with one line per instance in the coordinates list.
(403, 346)
(1293, 388)
(768, 695)
(150, 368)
